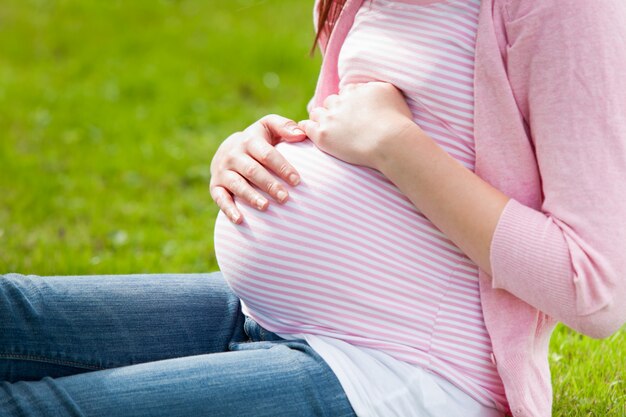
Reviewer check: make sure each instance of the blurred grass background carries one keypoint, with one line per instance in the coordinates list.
(110, 112)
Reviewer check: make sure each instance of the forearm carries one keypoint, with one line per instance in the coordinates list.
(457, 201)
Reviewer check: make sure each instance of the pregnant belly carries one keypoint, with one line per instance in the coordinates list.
(346, 244)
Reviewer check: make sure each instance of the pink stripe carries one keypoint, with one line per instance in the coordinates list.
(462, 84)
(416, 34)
(468, 363)
(452, 129)
(473, 337)
(410, 312)
(462, 304)
(389, 270)
(423, 50)
(463, 325)
(442, 110)
(358, 230)
(351, 245)
(441, 130)
(468, 100)
(426, 17)
(463, 68)
(351, 210)
(280, 307)
(398, 20)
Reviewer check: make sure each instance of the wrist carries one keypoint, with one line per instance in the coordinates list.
(396, 143)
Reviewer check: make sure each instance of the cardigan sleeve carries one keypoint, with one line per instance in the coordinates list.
(566, 62)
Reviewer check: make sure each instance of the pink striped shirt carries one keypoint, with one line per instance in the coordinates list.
(349, 256)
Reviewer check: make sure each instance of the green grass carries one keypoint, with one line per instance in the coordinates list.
(110, 112)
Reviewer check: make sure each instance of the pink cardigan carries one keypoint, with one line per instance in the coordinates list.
(550, 132)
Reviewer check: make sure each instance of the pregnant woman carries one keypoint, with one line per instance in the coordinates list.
(406, 251)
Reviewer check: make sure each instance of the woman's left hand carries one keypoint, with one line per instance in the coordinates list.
(359, 122)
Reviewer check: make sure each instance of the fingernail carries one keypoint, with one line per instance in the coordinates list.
(297, 131)
(260, 202)
(294, 179)
(234, 217)
(281, 196)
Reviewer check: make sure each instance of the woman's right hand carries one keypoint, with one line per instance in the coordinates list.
(242, 159)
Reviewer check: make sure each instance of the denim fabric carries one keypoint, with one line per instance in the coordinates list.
(150, 345)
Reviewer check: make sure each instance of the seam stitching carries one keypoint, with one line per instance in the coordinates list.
(49, 360)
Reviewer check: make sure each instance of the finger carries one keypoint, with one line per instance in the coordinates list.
(316, 113)
(330, 100)
(302, 124)
(258, 175)
(312, 129)
(279, 127)
(225, 202)
(268, 156)
(240, 188)
(348, 87)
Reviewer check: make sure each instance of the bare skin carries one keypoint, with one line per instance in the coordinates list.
(249, 157)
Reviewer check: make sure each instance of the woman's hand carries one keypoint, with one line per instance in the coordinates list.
(359, 122)
(242, 159)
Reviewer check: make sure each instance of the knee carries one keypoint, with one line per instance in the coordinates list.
(13, 284)
(18, 298)
(218, 284)
(220, 287)
(9, 284)
(11, 277)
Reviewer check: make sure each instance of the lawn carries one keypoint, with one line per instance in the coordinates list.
(110, 112)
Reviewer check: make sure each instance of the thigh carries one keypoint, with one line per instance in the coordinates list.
(260, 379)
(62, 325)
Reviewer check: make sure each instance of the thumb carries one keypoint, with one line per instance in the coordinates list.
(305, 125)
(294, 133)
(310, 127)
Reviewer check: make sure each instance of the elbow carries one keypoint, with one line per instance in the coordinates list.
(602, 323)
(600, 309)
(598, 330)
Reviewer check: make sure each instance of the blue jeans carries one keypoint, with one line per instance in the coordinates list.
(150, 345)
